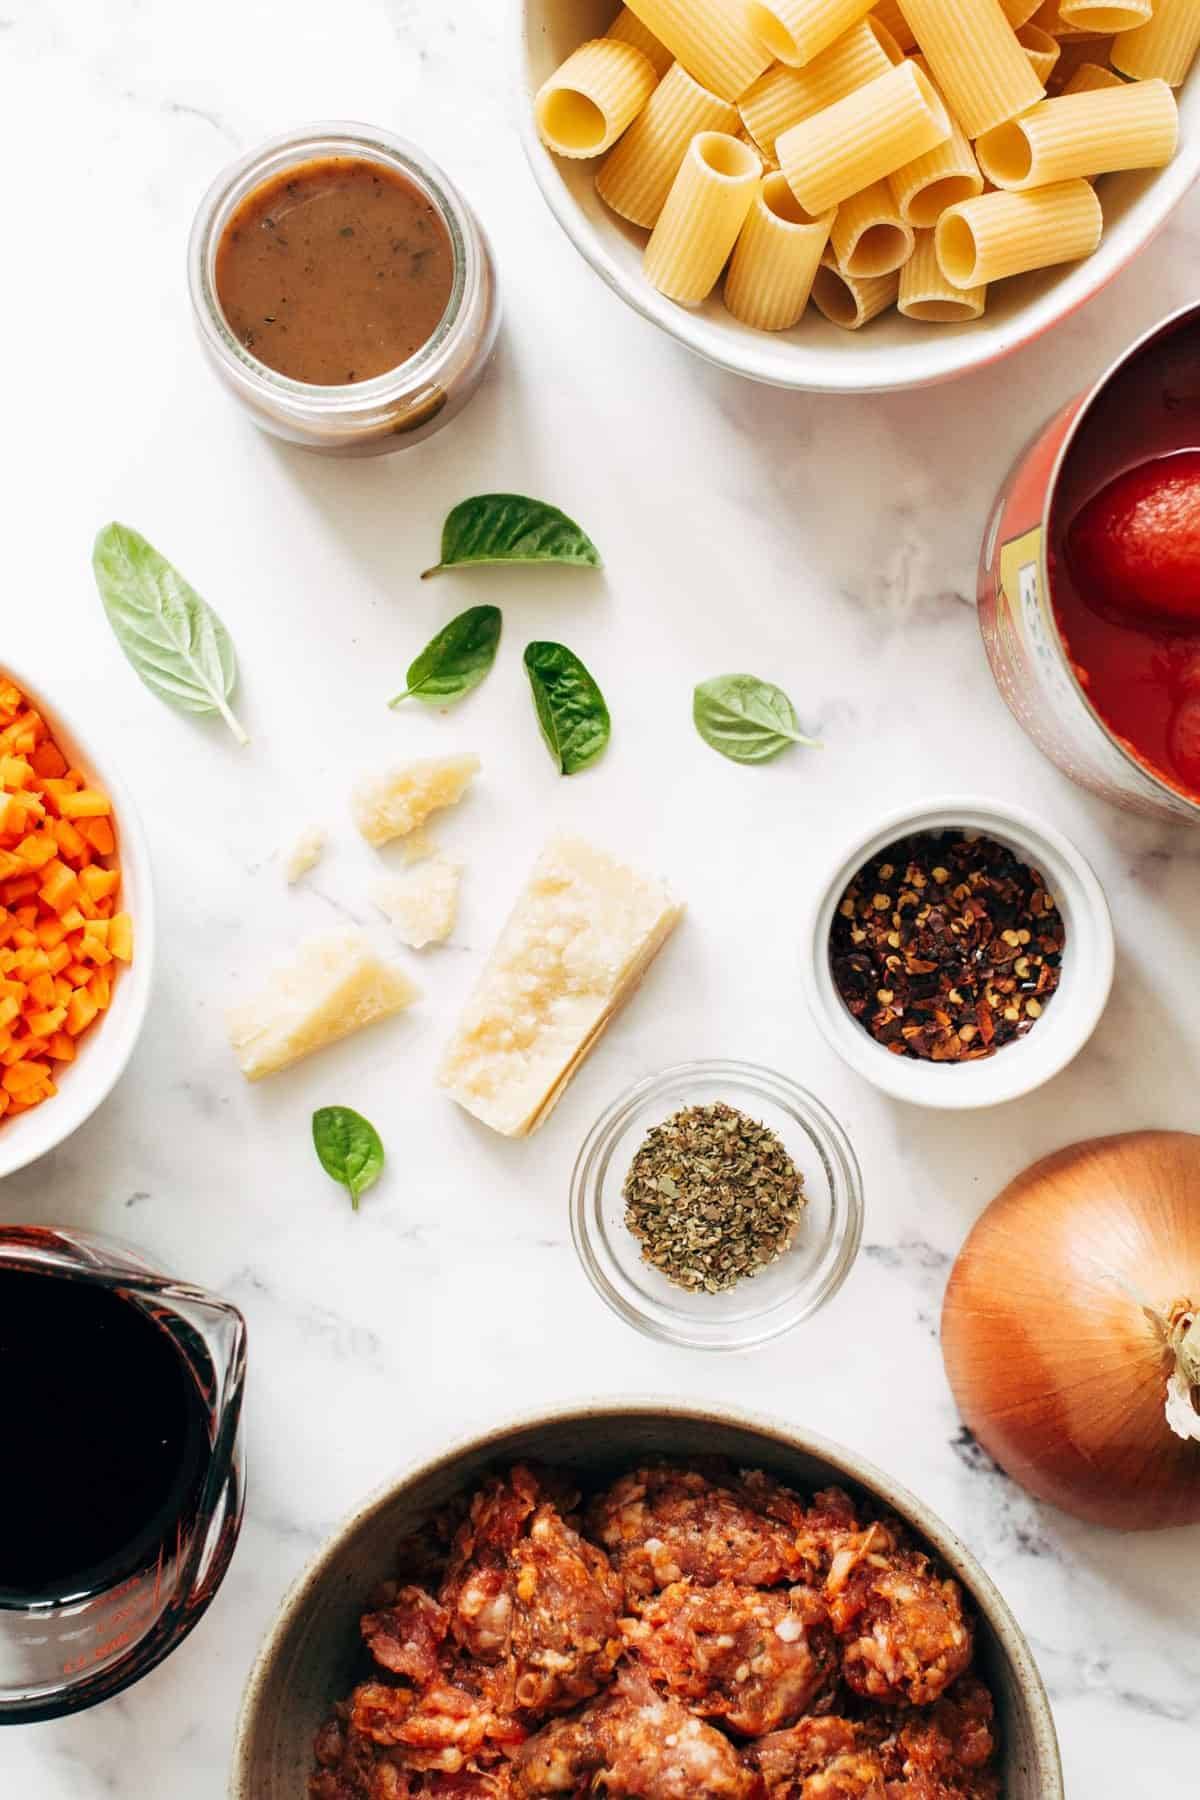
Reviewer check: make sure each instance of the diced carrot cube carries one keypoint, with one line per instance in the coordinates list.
(99, 883)
(13, 892)
(37, 849)
(59, 888)
(73, 919)
(10, 1009)
(62, 1047)
(46, 1023)
(71, 842)
(78, 974)
(58, 958)
(88, 803)
(100, 989)
(50, 933)
(99, 834)
(48, 759)
(15, 772)
(80, 1012)
(120, 936)
(41, 989)
(28, 1074)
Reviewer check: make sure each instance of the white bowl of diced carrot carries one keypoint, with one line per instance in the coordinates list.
(76, 926)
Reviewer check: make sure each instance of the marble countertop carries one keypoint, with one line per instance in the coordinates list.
(829, 543)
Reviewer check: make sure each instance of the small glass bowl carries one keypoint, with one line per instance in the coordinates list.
(778, 1297)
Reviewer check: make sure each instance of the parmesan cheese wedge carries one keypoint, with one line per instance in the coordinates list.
(335, 985)
(391, 805)
(422, 905)
(581, 936)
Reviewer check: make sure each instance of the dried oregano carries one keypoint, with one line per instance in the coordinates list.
(713, 1197)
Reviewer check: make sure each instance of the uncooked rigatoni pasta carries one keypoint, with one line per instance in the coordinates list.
(860, 139)
(1019, 12)
(976, 60)
(704, 212)
(887, 13)
(1133, 126)
(627, 28)
(636, 175)
(925, 187)
(1103, 16)
(925, 294)
(1004, 234)
(796, 30)
(1165, 47)
(852, 301)
(586, 104)
(783, 97)
(712, 40)
(776, 259)
(1042, 50)
(868, 236)
(1088, 77)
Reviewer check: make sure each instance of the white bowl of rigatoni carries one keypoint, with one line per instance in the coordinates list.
(831, 195)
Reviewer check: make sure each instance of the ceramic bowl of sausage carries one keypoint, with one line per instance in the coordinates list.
(644, 1598)
(823, 198)
(76, 923)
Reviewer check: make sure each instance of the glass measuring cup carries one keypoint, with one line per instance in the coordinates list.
(64, 1651)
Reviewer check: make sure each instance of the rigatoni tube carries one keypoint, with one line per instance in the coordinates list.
(627, 28)
(796, 30)
(863, 137)
(1042, 50)
(586, 104)
(712, 40)
(783, 96)
(704, 212)
(852, 301)
(636, 175)
(1164, 47)
(1133, 126)
(869, 237)
(1103, 16)
(925, 294)
(976, 60)
(1004, 234)
(925, 187)
(776, 259)
(1089, 77)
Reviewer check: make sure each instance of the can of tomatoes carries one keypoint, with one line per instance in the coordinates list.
(1089, 579)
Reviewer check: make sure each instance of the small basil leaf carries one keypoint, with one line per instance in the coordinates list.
(508, 528)
(456, 660)
(349, 1148)
(746, 719)
(570, 707)
(173, 638)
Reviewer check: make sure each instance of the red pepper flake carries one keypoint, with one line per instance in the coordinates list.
(947, 947)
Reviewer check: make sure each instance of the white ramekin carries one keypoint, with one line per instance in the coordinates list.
(1070, 1017)
(107, 1047)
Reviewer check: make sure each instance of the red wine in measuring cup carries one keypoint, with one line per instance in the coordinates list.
(103, 1438)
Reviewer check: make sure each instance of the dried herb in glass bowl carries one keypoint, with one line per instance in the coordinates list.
(713, 1197)
(947, 947)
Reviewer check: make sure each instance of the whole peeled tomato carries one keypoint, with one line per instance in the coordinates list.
(1134, 549)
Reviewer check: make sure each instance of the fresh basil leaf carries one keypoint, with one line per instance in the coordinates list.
(746, 719)
(456, 660)
(570, 707)
(508, 528)
(173, 638)
(349, 1147)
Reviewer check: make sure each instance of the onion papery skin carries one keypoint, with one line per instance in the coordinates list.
(1056, 1368)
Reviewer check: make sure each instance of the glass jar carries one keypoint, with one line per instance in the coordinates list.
(778, 1297)
(402, 406)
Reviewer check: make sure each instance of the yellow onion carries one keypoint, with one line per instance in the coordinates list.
(1071, 1331)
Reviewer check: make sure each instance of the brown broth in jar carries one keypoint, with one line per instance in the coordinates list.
(335, 271)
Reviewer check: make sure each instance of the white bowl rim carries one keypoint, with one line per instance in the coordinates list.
(1019, 1068)
(859, 1470)
(867, 371)
(109, 1048)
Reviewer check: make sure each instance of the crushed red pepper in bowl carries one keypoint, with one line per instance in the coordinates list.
(946, 947)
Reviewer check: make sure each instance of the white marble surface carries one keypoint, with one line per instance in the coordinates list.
(828, 543)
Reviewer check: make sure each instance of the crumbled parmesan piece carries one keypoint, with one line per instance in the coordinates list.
(306, 853)
(580, 938)
(393, 804)
(423, 904)
(335, 985)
